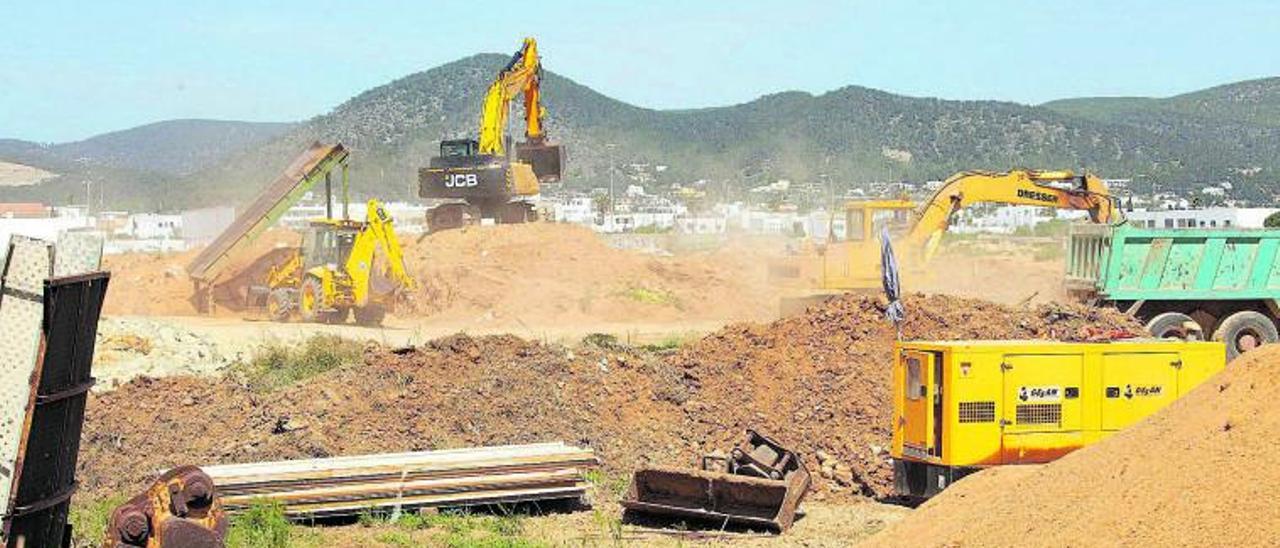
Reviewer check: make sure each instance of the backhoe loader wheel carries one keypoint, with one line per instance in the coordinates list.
(1244, 331)
(311, 299)
(281, 303)
(370, 315)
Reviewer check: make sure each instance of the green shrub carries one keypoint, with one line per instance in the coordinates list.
(275, 365)
(262, 525)
(89, 519)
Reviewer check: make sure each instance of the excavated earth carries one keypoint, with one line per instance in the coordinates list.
(501, 276)
(1202, 472)
(817, 381)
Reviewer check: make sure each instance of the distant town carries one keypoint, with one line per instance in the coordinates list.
(632, 205)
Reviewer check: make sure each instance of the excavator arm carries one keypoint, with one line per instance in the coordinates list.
(522, 75)
(1057, 189)
(377, 232)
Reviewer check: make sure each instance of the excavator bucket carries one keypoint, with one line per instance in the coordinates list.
(760, 485)
(545, 159)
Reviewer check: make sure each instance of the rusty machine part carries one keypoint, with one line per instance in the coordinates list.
(180, 509)
(759, 484)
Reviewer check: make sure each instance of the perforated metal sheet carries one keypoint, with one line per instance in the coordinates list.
(21, 312)
(77, 253)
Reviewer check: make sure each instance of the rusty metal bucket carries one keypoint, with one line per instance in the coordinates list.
(717, 497)
(760, 484)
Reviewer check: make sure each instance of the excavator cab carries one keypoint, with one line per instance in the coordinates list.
(459, 147)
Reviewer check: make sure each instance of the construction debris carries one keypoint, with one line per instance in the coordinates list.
(49, 307)
(760, 484)
(403, 481)
(180, 510)
(815, 382)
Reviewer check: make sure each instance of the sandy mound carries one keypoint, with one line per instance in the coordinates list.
(1203, 472)
(818, 382)
(150, 284)
(536, 274)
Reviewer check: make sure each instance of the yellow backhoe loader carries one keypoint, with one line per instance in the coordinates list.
(337, 271)
(480, 178)
(853, 263)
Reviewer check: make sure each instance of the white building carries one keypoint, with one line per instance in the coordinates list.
(1212, 217)
(709, 224)
(152, 226)
(1006, 219)
(576, 209)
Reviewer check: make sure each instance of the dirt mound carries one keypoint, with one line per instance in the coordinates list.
(504, 276)
(549, 274)
(821, 380)
(151, 284)
(817, 381)
(1203, 472)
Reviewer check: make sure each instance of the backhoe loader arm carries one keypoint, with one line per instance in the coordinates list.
(1058, 189)
(377, 232)
(522, 75)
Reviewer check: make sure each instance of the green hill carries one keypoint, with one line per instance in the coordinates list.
(849, 135)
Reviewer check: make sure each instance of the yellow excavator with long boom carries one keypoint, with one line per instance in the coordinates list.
(853, 263)
(481, 178)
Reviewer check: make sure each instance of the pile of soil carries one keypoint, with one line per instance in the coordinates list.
(553, 274)
(157, 284)
(501, 276)
(1202, 472)
(819, 382)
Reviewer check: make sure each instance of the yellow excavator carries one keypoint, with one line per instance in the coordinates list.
(337, 271)
(480, 178)
(853, 263)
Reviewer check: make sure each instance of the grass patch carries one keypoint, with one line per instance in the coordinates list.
(453, 529)
(275, 366)
(648, 295)
(672, 343)
(263, 525)
(89, 520)
(612, 486)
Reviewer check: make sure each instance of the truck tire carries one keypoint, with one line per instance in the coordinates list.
(1170, 325)
(1244, 331)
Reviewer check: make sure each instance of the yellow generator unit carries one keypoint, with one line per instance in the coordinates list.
(961, 406)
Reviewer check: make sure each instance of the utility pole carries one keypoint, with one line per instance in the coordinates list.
(610, 147)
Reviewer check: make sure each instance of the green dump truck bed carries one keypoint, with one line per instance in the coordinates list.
(1183, 282)
(1125, 263)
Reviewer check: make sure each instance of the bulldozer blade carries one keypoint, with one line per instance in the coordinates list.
(717, 497)
(546, 160)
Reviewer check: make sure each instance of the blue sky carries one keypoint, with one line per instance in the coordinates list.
(69, 70)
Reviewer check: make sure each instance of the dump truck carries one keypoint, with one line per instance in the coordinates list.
(480, 178)
(961, 406)
(1182, 282)
(209, 270)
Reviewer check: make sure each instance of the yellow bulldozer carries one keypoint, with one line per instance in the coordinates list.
(337, 272)
(852, 263)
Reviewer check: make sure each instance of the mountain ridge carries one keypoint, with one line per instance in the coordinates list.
(846, 135)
